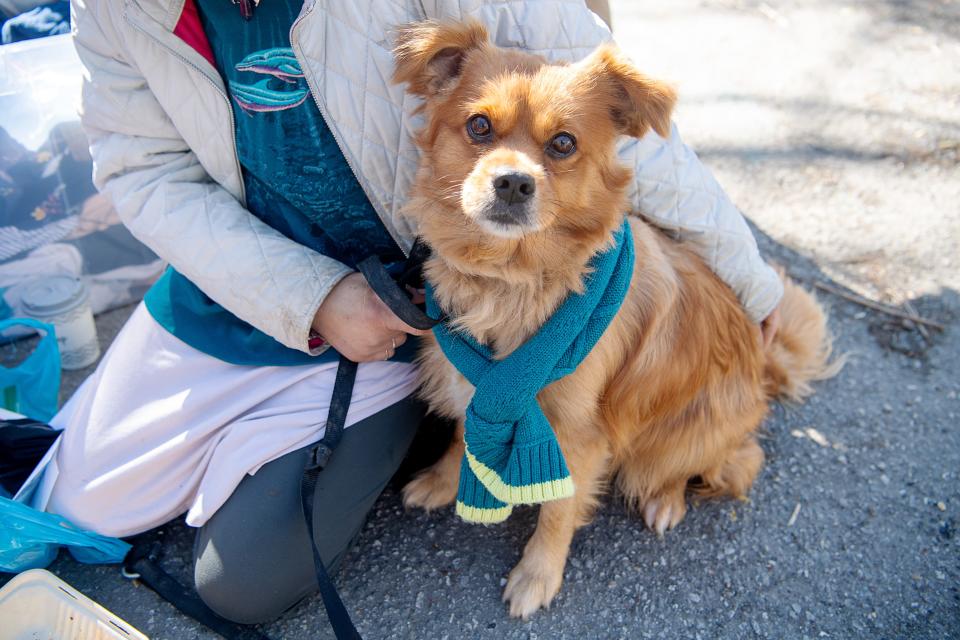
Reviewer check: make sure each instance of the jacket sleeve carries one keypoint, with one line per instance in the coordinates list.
(170, 203)
(672, 188)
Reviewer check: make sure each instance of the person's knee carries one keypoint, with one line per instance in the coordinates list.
(244, 593)
(249, 573)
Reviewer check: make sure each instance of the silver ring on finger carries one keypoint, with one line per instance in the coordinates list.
(386, 351)
(393, 341)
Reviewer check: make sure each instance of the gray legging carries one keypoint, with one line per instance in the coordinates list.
(252, 559)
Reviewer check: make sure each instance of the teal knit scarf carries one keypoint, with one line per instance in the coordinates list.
(512, 455)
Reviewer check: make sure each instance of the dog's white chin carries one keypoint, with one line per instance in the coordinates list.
(479, 207)
(506, 231)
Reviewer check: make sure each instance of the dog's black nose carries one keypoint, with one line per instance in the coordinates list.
(514, 187)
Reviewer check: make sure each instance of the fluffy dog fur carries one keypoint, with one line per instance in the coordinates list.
(679, 383)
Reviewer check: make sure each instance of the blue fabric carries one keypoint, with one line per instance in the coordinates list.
(30, 539)
(31, 388)
(296, 178)
(48, 20)
(180, 307)
(512, 455)
(5, 310)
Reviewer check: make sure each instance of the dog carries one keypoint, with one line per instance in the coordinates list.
(518, 186)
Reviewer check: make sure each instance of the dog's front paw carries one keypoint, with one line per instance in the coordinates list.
(432, 489)
(665, 511)
(532, 584)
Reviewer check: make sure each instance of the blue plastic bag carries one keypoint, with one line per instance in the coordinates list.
(29, 539)
(31, 388)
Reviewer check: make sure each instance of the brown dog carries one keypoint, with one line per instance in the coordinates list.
(519, 185)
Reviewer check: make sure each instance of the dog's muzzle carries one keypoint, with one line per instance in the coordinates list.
(514, 194)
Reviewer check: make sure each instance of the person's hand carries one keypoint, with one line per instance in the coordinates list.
(355, 322)
(769, 327)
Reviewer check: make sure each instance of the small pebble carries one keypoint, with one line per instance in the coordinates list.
(817, 437)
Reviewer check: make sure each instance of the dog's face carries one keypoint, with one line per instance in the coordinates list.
(516, 149)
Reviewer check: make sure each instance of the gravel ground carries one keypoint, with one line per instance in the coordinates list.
(836, 127)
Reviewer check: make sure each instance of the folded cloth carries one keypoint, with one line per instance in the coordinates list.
(52, 19)
(512, 455)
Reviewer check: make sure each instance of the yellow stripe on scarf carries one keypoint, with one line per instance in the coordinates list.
(483, 516)
(527, 494)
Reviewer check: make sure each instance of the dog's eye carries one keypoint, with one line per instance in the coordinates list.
(562, 145)
(479, 128)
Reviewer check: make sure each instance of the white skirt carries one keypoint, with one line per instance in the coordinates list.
(160, 428)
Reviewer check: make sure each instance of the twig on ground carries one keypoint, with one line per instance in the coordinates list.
(879, 306)
(793, 516)
(922, 329)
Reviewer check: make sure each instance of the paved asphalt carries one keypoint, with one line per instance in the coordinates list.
(836, 127)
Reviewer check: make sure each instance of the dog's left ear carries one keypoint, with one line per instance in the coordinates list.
(637, 103)
(430, 55)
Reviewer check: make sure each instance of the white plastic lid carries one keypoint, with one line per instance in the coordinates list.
(52, 296)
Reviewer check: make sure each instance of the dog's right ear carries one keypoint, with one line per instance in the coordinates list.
(430, 55)
(637, 103)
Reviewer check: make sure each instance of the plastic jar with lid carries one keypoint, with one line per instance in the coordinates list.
(63, 302)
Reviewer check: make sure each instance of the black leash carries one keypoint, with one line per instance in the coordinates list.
(388, 290)
(142, 561)
(317, 459)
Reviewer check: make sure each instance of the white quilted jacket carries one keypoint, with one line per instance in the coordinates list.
(162, 137)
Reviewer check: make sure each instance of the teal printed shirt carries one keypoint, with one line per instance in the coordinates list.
(296, 178)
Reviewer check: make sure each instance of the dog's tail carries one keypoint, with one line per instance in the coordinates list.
(800, 353)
